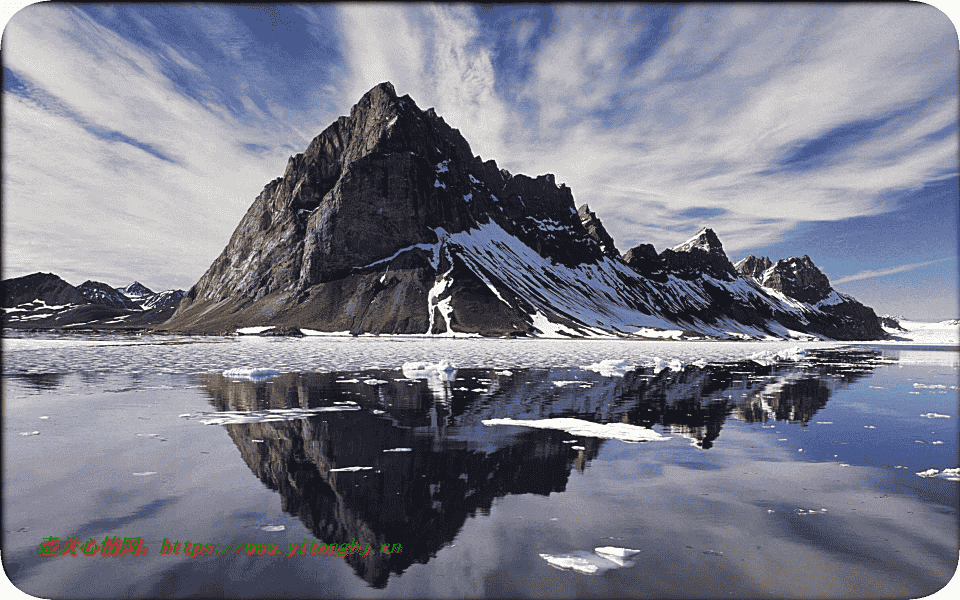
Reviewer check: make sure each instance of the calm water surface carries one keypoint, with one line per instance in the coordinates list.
(798, 479)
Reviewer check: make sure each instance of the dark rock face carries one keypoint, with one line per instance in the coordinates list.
(701, 254)
(644, 260)
(388, 223)
(46, 287)
(169, 299)
(890, 323)
(595, 230)
(333, 244)
(798, 278)
(753, 267)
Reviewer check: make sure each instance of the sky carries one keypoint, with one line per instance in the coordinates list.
(135, 137)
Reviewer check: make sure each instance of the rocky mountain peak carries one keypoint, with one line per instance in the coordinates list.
(136, 289)
(705, 240)
(753, 267)
(701, 254)
(797, 278)
(595, 229)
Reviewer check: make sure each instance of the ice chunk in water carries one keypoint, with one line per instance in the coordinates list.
(610, 367)
(603, 559)
(444, 370)
(933, 415)
(273, 528)
(350, 469)
(928, 473)
(250, 373)
(610, 431)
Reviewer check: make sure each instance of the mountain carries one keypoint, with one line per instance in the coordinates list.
(45, 301)
(388, 223)
(101, 293)
(136, 291)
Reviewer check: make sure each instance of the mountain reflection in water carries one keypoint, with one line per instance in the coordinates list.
(456, 466)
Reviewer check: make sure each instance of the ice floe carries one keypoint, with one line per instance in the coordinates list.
(350, 469)
(564, 383)
(374, 381)
(592, 563)
(256, 374)
(609, 431)
(272, 528)
(933, 415)
(399, 450)
(950, 474)
(772, 357)
(145, 474)
(610, 367)
(231, 417)
(443, 370)
(25, 433)
(674, 365)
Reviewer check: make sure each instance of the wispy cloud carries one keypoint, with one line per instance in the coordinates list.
(868, 274)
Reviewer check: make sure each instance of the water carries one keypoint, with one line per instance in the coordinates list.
(796, 479)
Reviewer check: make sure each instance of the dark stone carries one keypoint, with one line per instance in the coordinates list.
(753, 267)
(595, 229)
(798, 278)
(281, 332)
(40, 286)
(700, 255)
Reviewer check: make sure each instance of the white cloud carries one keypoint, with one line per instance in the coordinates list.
(868, 274)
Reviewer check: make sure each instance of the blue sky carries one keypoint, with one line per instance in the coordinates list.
(136, 136)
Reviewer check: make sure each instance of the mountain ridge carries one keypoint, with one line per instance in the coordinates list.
(388, 224)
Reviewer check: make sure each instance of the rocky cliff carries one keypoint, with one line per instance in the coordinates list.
(388, 223)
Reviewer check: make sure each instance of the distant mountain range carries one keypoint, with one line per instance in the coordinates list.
(388, 224)
(45, 301)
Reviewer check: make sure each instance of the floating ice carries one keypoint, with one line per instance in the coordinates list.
(29, 433)
(563, 383)
(824, 422)
(601, 560)
(771, 357)
(347, 381)
(273, 528)
(350, 469)
(928, 473)
(609, 431)
(250, 373)
(145, 474)
(618, 555)
(443, 370)
(504, 373)
(933, 415)
(577, 448)
(674, 365)
(231, 417)
(374, 381)
(44, 417)
(610, 367)
(399, 450)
